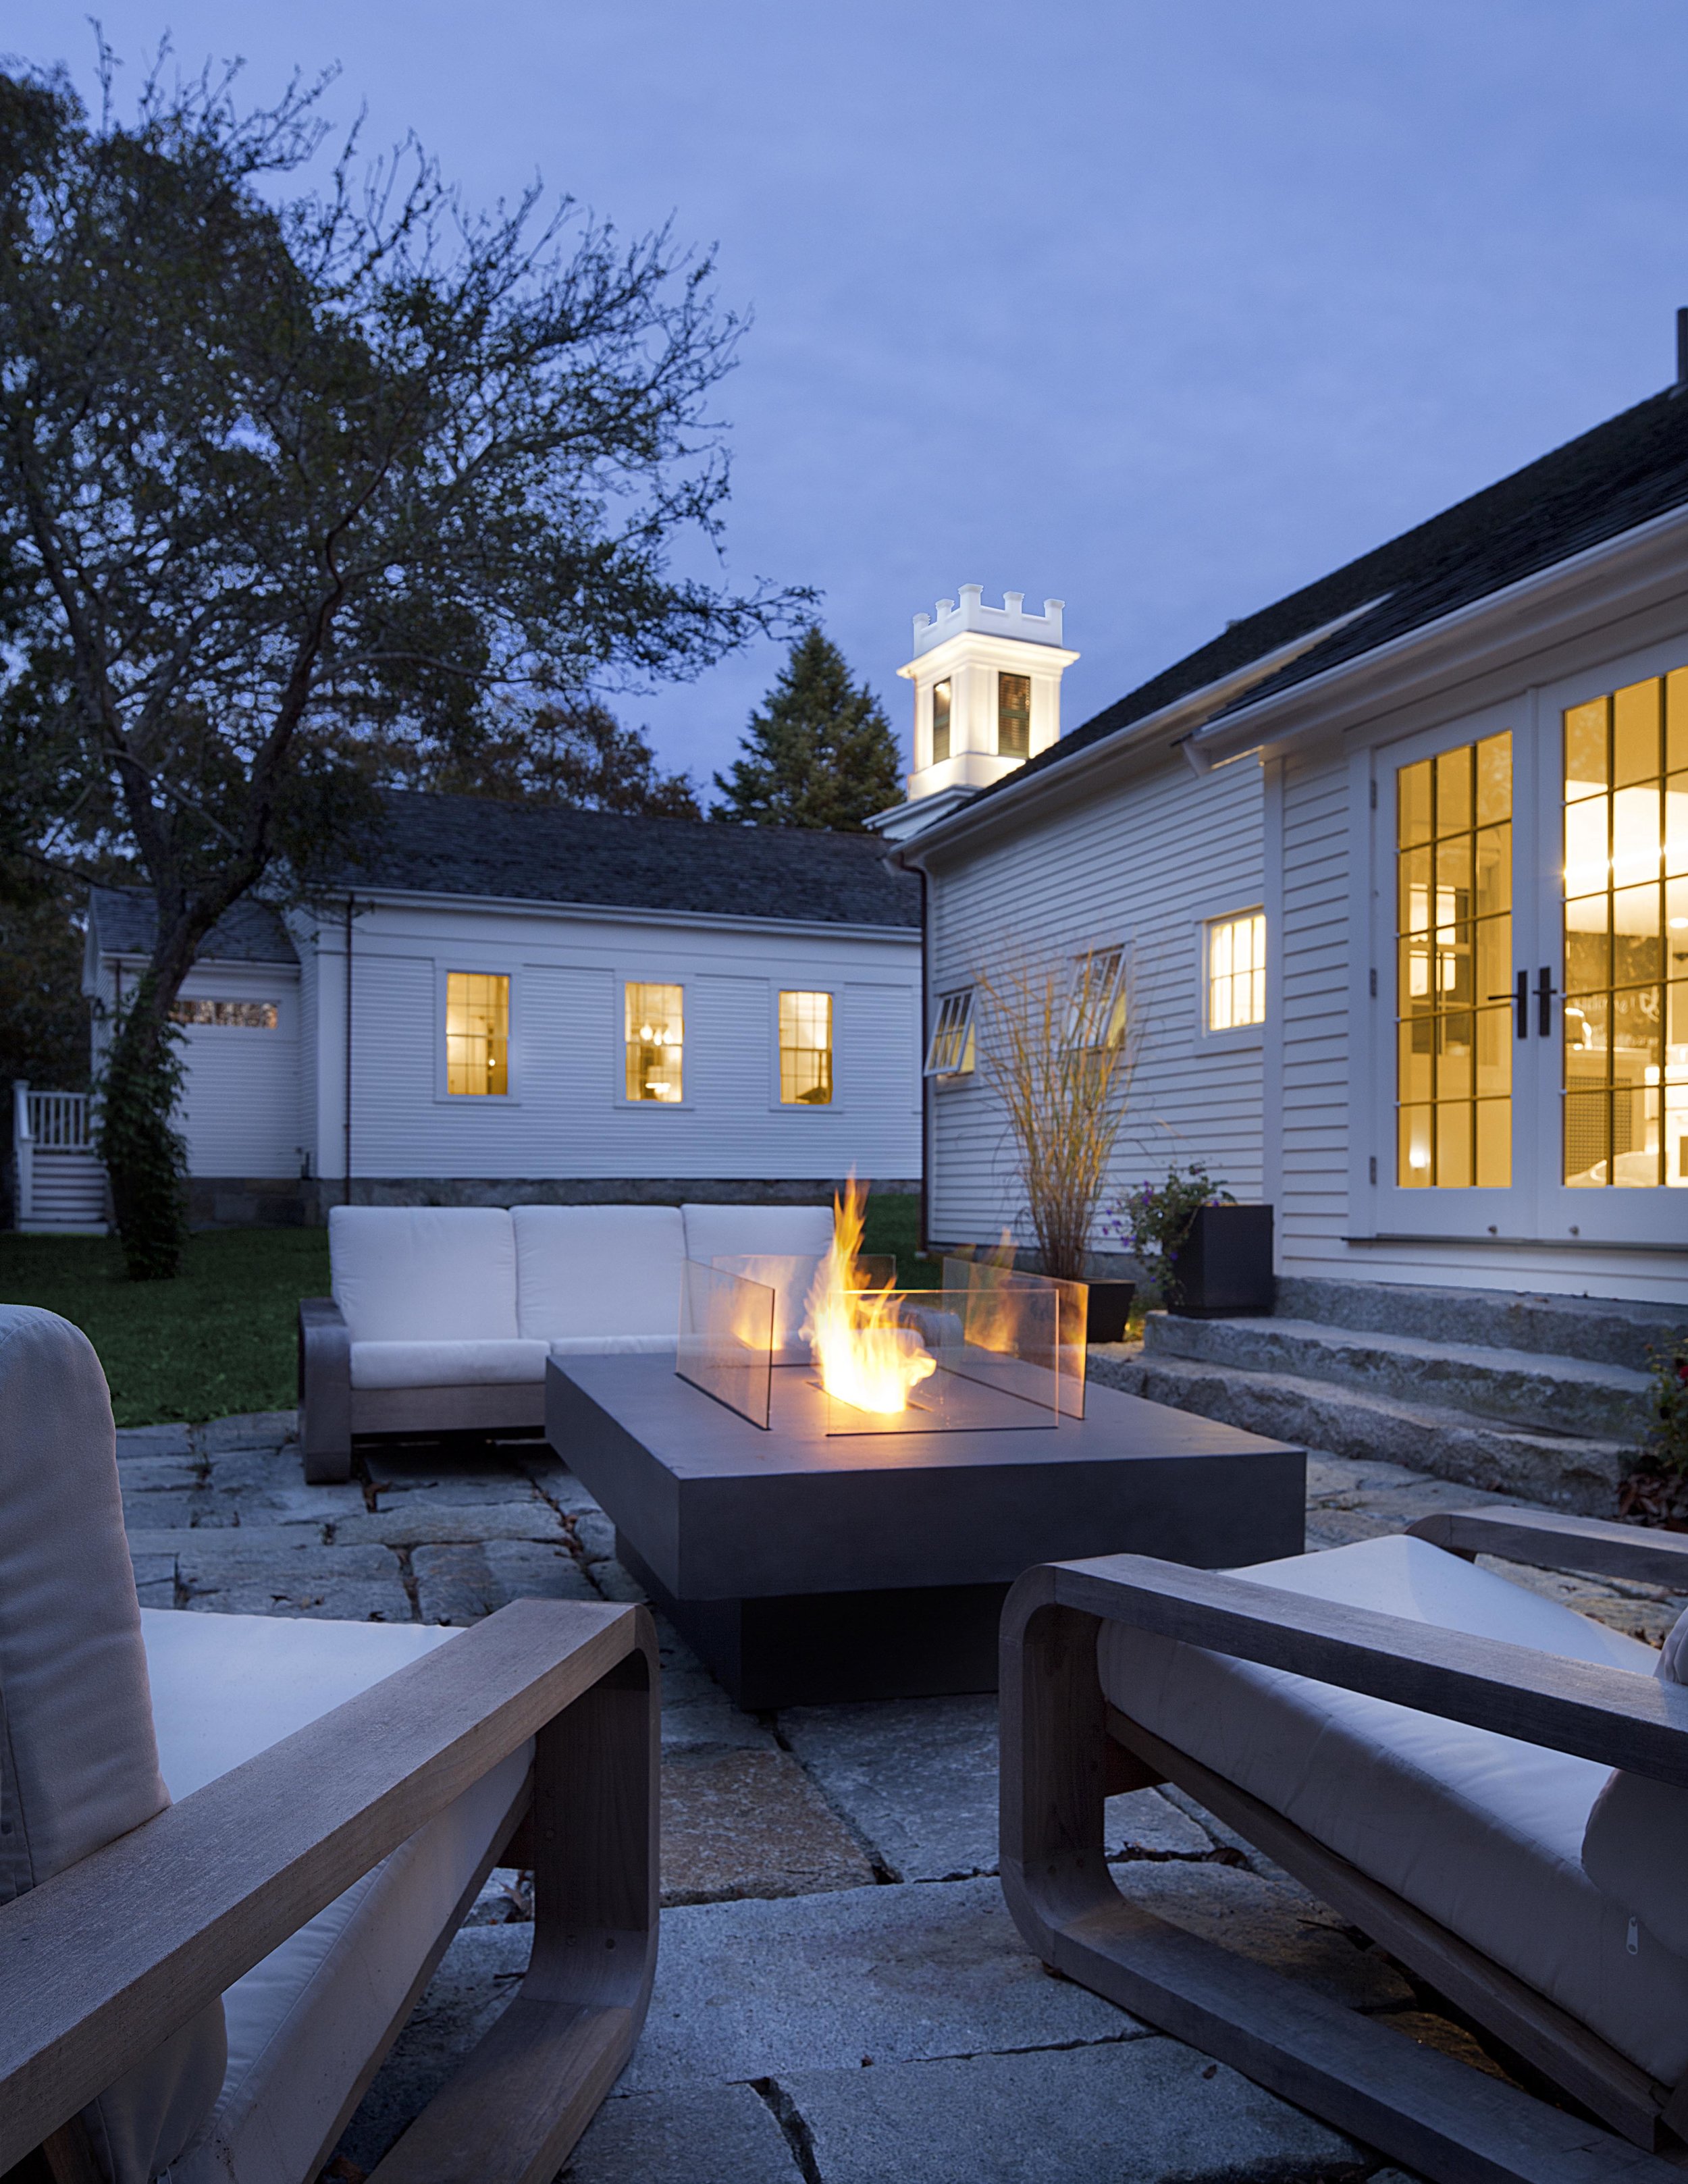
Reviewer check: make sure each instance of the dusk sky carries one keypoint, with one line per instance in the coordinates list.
(1161, 309)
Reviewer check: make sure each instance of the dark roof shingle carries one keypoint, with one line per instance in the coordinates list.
(126, 924)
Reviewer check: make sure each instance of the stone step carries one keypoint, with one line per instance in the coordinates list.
(1524, 1387)
(1604, 1330)
(1560, 1471)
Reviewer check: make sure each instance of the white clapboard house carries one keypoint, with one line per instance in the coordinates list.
(506, 1003)
(1397, 871)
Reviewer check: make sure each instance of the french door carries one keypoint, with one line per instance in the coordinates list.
(1531, 966)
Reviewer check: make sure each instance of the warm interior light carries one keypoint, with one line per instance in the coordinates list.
(865, 1357)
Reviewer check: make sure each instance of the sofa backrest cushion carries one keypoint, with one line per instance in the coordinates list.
(599, 1270)
(780, 1246)
(80, 1766)
(412, 1274)
(1632, 1846)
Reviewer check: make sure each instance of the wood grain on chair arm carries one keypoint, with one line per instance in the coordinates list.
(1612, 1715)
(99, 1963)
(1589, 1544)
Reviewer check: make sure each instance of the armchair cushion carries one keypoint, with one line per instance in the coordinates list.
(1632, 1846)
(441, 1364)
(589, 1273)
(419, 1273)
(1479, 1831)
(304, 2022)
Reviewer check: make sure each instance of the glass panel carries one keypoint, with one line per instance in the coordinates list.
(947, 1361)
(941, 721)
(1453, 1146)
(1585, 765)
(1493, 1053)
(1412, 804)
(1413, 1073)
(477, 1033)
(1585, 853)
(1453, 878)
(1453, 790)
(1676, 720)
(727, 1339)
(1494, 1144)
(790, 1275)
(805, 1050)
(1634, 733)
(982, 1281)
(1588, 954)
(1494, 938)
(1676, 823)
(1413, 1159)
(1493, 861)
(1676, 926)
(656, 1040)
(1636, 834)
(1454, 1060)
(1494, 780)
(1013, 716)
(1414, 869)
(1236, 972)
(1635, 934)
(1587, 1144)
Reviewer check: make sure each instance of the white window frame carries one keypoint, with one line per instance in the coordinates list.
(1236, 1036)
(776, 1105)
(624, 978)
(955, 1019)
(1108, 1003)
(462, 959)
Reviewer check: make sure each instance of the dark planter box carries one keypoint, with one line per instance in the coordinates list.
(1108, 1309)
(1224, 1265)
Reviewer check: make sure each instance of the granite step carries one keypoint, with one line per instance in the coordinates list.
(1602, 1330)
(1560, 1471)
(1559, 1395)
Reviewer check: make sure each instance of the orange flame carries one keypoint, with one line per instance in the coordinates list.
(866, 1358)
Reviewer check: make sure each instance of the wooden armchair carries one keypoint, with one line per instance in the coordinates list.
(206, 1988)
(1425, 1774)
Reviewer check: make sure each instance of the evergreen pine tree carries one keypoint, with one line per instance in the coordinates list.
(819, 753)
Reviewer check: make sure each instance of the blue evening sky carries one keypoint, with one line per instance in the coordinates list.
(1162, 307)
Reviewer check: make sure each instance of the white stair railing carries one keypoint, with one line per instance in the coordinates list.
(53, 1151)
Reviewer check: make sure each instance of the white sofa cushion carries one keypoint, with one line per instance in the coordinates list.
(614, 1345)
(587, 1273)
(446, 1364)
(1481, 1832)
(416, 1274)
(780, 1246)
(1632, 1846)
(303, 2023)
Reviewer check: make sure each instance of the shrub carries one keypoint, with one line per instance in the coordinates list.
(146, 1160)
(1153, 1220)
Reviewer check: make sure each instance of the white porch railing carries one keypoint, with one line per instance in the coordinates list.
(61, 1185)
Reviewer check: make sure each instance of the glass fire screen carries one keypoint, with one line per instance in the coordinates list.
(983, 1281)
(971, 1358)
(727, 1339)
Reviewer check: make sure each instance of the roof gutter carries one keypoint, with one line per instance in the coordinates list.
(620, 913)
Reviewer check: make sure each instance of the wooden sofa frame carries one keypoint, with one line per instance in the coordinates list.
(105, 1960)
(1064, 1749)
(331, 1410)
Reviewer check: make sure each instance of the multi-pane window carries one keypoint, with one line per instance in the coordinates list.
(1454, 1004)
(1236, 971)
(1014, 715)
(477, 1032)
(1626, 937)
(1096, 1011)
(805, 1050)
(951, 1052)
(941, 694)
(656, 1042)
(250, 1015)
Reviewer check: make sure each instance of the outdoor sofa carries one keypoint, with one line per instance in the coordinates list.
(1491, 1786)
(442, 1318)
(205, 1988)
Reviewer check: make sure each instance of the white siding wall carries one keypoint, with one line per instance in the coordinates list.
(1144, 862)
(566, 1116)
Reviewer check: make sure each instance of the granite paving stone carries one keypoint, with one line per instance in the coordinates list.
(596, 1535)
(1132, 2112)
(239, 1572)
(167, 1439)
(740, 1822)
(614, 1583)
(154, 1579)
(442, 1475)
(252, 1430)
(695, 1709)
(461, 1583)
(706, 2135)
(559, 1486)
(412, 1521)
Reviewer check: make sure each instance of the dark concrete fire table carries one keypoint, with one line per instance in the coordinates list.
(807, 1568)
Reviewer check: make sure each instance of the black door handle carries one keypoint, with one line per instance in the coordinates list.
(1544, 1001)
(1520, 998)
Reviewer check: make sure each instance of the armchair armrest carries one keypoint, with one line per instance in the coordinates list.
(103, 1961)
(325, 1391)
(1588, 1545)
(1611, 1715)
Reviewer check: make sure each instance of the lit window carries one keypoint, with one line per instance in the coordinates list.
(250, 1015)
(477, 1032)
(941, 721)
(805, 1050)
(656, 1042)
(1095, 1014)
(1236, 972)
(951, 1052)
(1014, 715)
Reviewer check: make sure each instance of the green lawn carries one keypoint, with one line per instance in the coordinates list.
(220, 1338)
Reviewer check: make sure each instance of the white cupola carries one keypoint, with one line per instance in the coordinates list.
(986, 696)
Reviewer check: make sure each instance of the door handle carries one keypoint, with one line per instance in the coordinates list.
(1519, 997)
(1545, 990)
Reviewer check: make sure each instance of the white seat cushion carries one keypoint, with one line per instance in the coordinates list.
(1481, 1832)
(585, 1272)
(614, 1345)
(416, 1274)
(445, 1364)
(303, 2023)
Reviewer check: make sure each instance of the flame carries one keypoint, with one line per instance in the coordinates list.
(865, 1357)
(993, 1315)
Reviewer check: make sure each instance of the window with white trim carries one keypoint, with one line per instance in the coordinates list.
(656, 1017)
(951, 1052)
(1235, 977)
(1096, 1011)
(250, 1015)
(805, 1050)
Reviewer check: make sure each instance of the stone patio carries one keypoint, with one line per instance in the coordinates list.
(841, 1997)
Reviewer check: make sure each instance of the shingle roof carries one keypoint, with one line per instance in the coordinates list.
(467, 845)
(126, 923)
(1623, 473)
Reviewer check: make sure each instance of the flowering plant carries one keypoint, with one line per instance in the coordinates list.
(1153, 1220)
